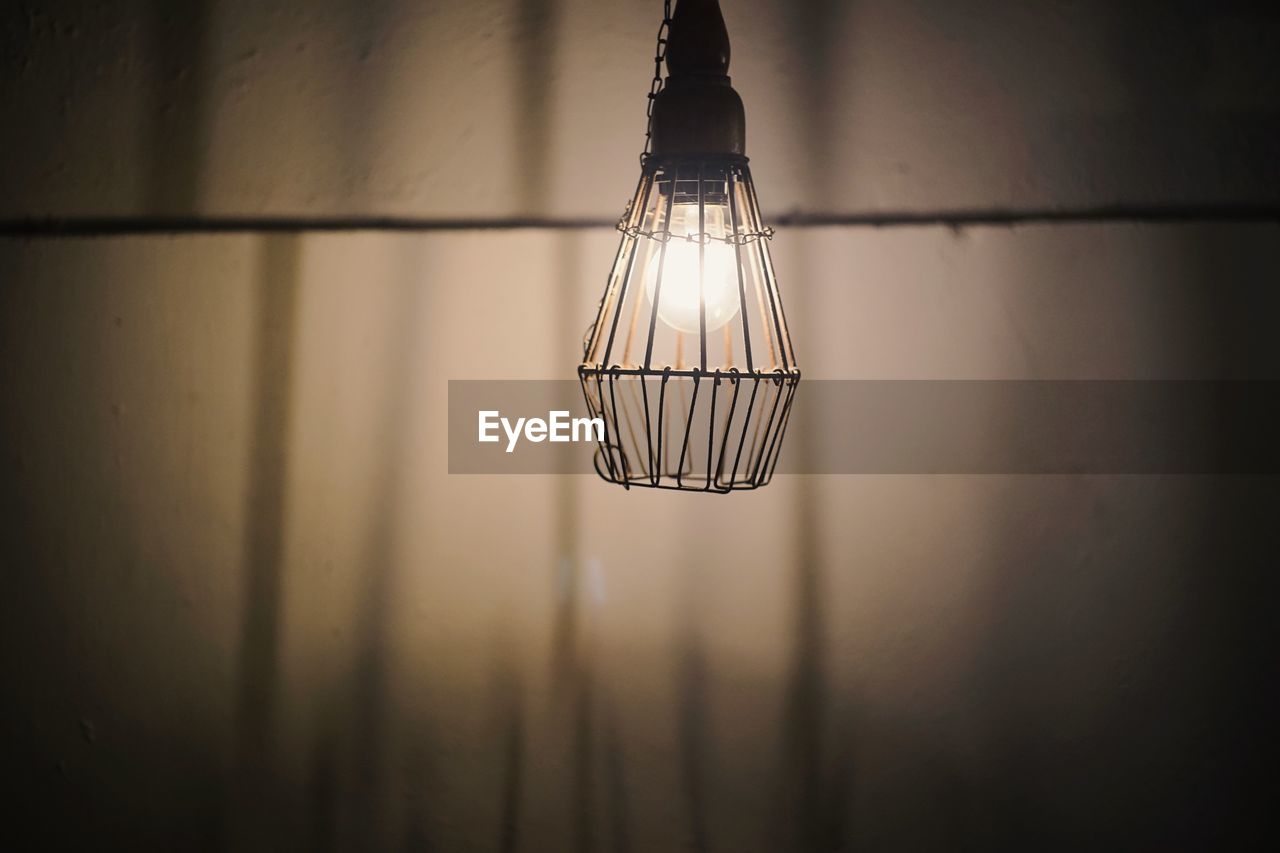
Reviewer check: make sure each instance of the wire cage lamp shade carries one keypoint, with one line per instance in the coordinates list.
(689, 362)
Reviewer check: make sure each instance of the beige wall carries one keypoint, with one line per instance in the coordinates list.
(248, 606)
(490, 108)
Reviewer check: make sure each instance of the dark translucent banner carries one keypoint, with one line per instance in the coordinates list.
(896, 427)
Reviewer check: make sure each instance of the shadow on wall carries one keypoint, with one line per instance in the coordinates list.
(253, 805)
(1165, 58)
(178, 42)
(347, 803)
(95, 617)
(1119, 669)
(817, 738)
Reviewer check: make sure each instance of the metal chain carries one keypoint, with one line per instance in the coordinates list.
(655, 86)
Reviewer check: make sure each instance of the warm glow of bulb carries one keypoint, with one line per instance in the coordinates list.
(690, 271)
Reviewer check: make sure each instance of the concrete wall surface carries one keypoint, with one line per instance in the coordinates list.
(249, 605)
(246, 606)
(496, 108)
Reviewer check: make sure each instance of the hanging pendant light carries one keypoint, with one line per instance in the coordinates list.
(689, 361)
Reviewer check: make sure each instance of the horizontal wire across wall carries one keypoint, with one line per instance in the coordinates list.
(115, 226)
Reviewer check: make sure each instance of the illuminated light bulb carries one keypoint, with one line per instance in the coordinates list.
(693, 275)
